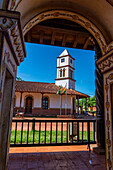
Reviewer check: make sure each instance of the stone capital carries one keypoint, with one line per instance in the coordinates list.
(105, 63)
(10, 25)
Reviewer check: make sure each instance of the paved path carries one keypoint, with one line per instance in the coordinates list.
(55, 158)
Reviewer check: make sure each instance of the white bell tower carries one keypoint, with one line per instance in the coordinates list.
(65, 70)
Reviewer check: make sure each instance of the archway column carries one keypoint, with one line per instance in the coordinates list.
(105, 73)
(12, 52)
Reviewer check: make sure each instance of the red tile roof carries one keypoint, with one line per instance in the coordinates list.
(39, 87)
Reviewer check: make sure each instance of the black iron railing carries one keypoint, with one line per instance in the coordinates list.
(52, 132)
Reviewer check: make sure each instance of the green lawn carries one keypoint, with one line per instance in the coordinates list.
(42, 136)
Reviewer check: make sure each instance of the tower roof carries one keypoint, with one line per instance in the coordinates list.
(64, 53)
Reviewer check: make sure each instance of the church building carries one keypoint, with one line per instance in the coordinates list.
(48, 99)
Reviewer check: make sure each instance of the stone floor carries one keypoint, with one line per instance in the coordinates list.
(55, 158)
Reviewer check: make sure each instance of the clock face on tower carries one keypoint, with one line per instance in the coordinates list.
(65, 70)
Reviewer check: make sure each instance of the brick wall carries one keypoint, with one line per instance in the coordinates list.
(48, 112)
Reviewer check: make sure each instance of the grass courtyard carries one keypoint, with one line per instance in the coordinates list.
(42, 136)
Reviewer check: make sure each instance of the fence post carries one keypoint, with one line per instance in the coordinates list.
(88, 134)
(33, 125)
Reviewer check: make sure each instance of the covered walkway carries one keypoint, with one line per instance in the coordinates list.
(55, 158)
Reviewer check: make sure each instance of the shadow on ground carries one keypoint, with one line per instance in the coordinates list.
(77, 160)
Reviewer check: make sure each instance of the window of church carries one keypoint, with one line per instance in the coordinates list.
(60, 73)
(71, 61)
(45, 103)
(63, 72)
(62, 60)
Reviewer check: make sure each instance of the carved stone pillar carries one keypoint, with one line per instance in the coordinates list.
(99, 94)
(12, 52)
(105, 64)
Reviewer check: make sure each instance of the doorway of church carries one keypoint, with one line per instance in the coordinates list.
(28, 105)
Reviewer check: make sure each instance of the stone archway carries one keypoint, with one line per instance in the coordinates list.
(68, 15)
(73, 16)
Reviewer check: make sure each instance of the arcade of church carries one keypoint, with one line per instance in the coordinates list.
(32, 103)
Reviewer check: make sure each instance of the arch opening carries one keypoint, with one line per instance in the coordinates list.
(71, 17)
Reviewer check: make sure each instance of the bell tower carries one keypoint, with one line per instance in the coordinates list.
(65, 70)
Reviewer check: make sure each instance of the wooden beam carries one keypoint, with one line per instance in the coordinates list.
(41, 37)
(53, 38)
(86, 43)
(29, 36)
(64, 40)
(59, 30)
(75, 42)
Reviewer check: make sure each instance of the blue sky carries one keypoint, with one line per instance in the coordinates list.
(41, 61)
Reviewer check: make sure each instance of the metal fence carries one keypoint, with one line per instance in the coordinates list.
(52, 132)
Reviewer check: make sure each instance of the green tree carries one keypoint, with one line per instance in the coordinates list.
(19, 79)
(91, 102)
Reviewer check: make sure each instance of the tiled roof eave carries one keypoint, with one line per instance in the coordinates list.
(45, 88)
(46, 92)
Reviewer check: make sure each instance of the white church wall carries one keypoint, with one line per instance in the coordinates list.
(66, 72)
(66, 103)
(17, 102)
(71, 64)
(54, 101)
(72, 73)
(36, 99)
(62, 83)
(72, 84)
(58, 62)
(58, 73)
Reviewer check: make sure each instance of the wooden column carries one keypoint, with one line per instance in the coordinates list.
(99, 94)
(42, 105)
(72, 109)
(82, 106)
(20, 101)
(86, 104)
(78, 105)
(60, 104)
(75, 106)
